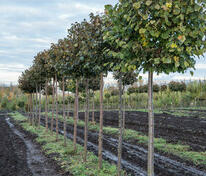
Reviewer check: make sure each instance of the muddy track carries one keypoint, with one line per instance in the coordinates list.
(185, 130)
(13, 159)
(134, 157)
(19, 155)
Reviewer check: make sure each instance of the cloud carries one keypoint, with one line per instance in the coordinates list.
(24, 10)
(200, 66)
(187, 78)
(12, 67)
(9, 73)
(9, 77)
(65, 16)
(80, 7)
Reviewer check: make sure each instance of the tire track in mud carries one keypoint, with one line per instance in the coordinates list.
(36, 161)
(134, 157)
(13, 160)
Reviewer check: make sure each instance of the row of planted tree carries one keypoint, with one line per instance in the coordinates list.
(130, 37)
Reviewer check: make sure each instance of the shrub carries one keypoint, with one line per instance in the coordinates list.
(114, 92)
(107, 95)
(21, 104)
(156, 88)
(177, 86)
(163, 87)
(131, 90)
(142, 89)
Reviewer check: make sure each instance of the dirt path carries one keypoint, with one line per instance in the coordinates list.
(19, 156)
(13, 157)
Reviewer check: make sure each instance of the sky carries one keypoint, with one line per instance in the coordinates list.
(30, 26)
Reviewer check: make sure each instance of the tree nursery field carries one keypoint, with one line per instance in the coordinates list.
(62, 119)
(179, 143)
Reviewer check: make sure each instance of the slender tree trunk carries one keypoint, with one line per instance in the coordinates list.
(78, 103)
(76, 115)
(39, 106)
(123, 110)
(120, 127)
(33, 109)
(30, 109)
(86, 121)
(46, 107)
(68, 109)
(93, 120)
(36, 105)
(150, 164)
(53, 100)
(64, 115)
(57, 123)
(101, 122)
(27, 108)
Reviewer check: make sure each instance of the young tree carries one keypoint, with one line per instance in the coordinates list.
(94, 85)
(62, 72)
(163, 37)
(25, 83)
(72, 67)
(127, 78)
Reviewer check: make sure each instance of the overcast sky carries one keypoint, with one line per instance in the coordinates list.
(30, 26)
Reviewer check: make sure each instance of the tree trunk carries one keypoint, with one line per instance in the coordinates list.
(93, 120)
(150, 164)
(36, 105)
(53, 100)
(68, 108)
(39, 106)
(124, 107)
(46, 107)
(33, 109)
(76, 115)
(86, 121)
(120, 127)
(101, 122)
(57, 123)
(64, 115)
(30, 108)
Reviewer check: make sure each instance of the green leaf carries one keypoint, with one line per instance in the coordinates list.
(148, 3)
(197, 8)
(186, 64)
(191, 73)
(137, 5)
(142, 31)
(154, 33)
(165, 35)
(157, 60)
(176, 11)
(157, 6)
(145, 17)
(166, 60)
(108, 8)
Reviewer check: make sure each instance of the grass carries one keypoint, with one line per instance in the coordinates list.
(66, 157)
(179, 113)
(186, 112)
(182, 151)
